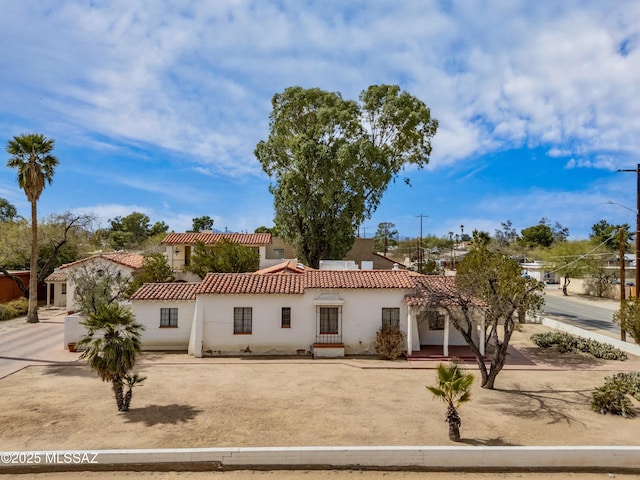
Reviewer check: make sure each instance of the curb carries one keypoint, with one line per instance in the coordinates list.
(410, 458)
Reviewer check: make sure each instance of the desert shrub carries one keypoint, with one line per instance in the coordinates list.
(390, 342)
(566, 342)
(612, 396)
(14, 308)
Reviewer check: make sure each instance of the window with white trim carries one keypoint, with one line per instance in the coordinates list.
(168, 317)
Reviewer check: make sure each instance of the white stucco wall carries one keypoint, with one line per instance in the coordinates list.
(361, 319)
(156, 337)
(95, 263)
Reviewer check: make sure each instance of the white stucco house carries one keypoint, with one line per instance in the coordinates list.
(61, 286)
(179, 247)
(291, 310)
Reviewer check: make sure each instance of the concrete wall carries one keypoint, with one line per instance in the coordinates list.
(156, 337)
(361, 319)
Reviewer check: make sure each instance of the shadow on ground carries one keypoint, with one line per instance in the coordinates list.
(70, 370)
(162, 414)
(488, 442)
(565, 361)
(551, 404)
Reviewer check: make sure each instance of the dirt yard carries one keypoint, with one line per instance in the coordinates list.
(234, 402)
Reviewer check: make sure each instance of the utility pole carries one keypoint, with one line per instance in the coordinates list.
(623, 331)
(420, 255)
(637, 271)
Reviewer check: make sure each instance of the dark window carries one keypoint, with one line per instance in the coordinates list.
(391, 316)
(242, 320)
(328, 320)
(187, 255)
(168, 317)
(286, 317)
(436, 321)
(64, 289)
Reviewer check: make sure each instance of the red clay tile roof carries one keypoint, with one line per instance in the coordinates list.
(256, 283)
(56, 277)
(424, 288)
(251, 283)
(128, 259)
(284, 268)
(253, 239)
(435, 289)
(358, 279)
(166, 291)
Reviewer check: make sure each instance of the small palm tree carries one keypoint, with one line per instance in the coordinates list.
(112, 346)
(453, 388)
(31, 157)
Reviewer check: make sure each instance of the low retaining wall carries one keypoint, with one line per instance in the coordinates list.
(624, 346)
(468, 458)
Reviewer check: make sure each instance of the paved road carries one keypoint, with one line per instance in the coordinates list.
(589, 314)
(23, 344)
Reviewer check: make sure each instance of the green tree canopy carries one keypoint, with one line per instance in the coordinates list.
(155, 269)
(133, 231)
(8, 212)
(386, 236)
(202, 224)
(490, 284)
(32, 158)
(607, 234)
(224, 256)
(537, 236)
(331, 161)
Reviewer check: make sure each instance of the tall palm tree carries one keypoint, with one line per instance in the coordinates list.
(112, 345)
(453, 388)
(31, 157)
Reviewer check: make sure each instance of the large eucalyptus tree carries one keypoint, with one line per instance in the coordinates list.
(31, 157)
(331, 160)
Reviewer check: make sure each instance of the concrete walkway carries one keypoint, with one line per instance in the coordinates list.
(23, 344)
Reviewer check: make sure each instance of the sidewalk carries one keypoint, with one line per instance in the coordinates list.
(23, 344)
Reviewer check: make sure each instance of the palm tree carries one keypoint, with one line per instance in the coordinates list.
(31, 157)
(453, 389)
(112, 346)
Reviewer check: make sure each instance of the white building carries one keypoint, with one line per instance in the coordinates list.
(294, 310)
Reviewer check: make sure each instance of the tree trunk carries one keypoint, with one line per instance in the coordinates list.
(118, 393)
(127, 399)
(454, 433)
(32, 315)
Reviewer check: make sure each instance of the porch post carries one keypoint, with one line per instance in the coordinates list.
(410, 318)
(445, 339)
(48, 293)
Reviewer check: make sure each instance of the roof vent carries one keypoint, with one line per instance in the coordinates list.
(396, 267)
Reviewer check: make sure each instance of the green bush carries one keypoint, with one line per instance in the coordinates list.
(390, 342)
(612, 396)
(566, 342)
(14, 308)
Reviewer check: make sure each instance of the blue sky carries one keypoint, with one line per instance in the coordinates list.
(156, 106)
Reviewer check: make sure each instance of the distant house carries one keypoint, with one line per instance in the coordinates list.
(60, 284)
(292, 309)
(179, 248)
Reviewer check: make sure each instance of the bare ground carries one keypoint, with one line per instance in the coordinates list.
(542, 398)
